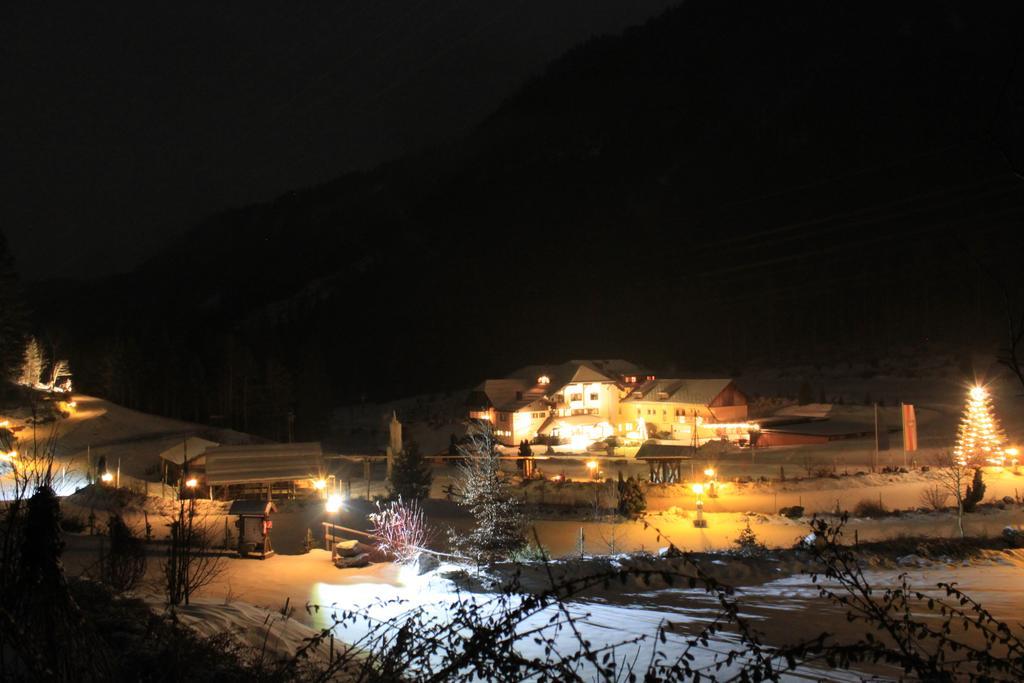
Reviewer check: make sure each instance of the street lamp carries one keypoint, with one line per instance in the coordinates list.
(192, 483)
(592, 466)
(107, 477)
(700, 522)
(333, 503)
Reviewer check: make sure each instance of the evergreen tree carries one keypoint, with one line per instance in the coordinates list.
(748, 544)
(411, 475)
(32, 364)
(499, 529)
(980, 439)
(975, 492)
(632, 500)
(13, 317)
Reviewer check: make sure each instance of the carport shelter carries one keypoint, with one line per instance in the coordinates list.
(265, 470)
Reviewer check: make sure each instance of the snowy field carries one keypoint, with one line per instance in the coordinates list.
(252, 594)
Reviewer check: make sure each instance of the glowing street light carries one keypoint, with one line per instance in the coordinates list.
(107, 477)
(1013, 453)
(320, 484)
(592, 466)
(333, 503)
(700, 522)
(192, 483)
(712, 489)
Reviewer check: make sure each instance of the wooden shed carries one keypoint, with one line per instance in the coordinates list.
(265, 470)
(254, 525)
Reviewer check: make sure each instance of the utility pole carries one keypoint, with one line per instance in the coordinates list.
(874, 459)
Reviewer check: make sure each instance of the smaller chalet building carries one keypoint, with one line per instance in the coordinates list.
(690, 410)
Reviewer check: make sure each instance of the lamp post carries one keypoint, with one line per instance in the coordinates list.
(592, 466)
(700, 522)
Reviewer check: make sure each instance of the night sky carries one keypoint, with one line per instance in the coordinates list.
(123, 124)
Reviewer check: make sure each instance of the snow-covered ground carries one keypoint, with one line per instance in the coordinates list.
(784, 610)
(125, 438)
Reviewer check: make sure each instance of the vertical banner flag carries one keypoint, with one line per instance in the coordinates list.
(909, 428)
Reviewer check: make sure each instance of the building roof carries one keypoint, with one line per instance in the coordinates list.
(611, 367)
(264, 463)
(652, 450)
(193, 447)
(252, 507)
(573, 371)
(692, 391)
(505, 394)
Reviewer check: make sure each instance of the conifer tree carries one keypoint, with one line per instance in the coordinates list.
(632, 500)
(499, 529)
(980, 439)
(412, 475)
(975, 492)
(32, 364)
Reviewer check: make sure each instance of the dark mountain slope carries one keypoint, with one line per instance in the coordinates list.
(734, 181)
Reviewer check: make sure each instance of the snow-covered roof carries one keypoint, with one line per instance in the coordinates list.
(573, 371)
(505, 394)
(192, 447)
(264, 463)
(652, 450)
(692, 391)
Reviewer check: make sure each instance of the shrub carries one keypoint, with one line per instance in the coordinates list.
(934, 498)
(870, 508)
(401, 529)
(793, 511)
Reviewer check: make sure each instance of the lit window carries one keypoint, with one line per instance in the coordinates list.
(595, 397)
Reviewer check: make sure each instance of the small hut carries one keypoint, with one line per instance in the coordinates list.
(665, 460)
(254, 525)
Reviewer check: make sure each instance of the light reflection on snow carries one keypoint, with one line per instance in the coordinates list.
(602, 620)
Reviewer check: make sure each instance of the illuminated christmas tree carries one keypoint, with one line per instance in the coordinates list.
(979, 440)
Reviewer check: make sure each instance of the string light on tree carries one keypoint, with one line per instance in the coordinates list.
(979, 439)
